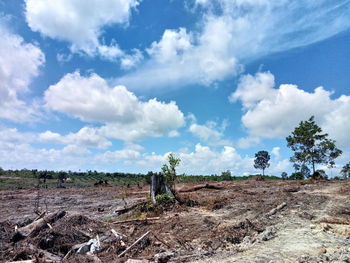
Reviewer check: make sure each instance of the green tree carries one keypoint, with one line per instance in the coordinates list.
(284, 175)
(310, 146)
(345, 171)
(61, 177)
(296, 176)
(169, 171)
(226, 175)
(261, 160)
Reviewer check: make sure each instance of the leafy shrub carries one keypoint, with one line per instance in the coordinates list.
(165, 200)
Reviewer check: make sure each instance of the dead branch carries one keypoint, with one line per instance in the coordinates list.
(23, 261)
(199, 187)
(161, 241)
(35, 227)
(275, 210)
(135, 243)
(129, 208)
(117, 235)
(136, 220)
(40, 216)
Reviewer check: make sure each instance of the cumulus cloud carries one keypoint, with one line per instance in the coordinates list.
(19, 64)
(85, 137)
(80, 22)
(210, 133)
(131, 60)
(249, 141)
(205, 160)
(232, 33)
(271, 112)
(181, 58)
(125, 117)
(17, 151)
(276, 152)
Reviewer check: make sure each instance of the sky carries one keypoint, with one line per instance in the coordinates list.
(116, 85)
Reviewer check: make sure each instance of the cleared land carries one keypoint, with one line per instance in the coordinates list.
(243, 221)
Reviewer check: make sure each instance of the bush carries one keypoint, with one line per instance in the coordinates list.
(165, 200)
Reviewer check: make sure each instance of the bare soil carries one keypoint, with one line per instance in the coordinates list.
(238, 222)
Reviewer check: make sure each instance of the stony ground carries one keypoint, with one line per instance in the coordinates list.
(237, 223)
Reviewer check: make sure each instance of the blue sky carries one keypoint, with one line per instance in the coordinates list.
(115, 85)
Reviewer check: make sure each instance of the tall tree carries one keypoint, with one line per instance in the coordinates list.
(261, 160)
(310, 146)
(345, 171)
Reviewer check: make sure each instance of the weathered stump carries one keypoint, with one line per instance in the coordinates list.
(159, 186)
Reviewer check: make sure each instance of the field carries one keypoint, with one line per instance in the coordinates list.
(240, 221)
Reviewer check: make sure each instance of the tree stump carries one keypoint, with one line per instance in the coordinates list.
(159, 186)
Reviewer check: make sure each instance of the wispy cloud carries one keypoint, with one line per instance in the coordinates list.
(232, 33)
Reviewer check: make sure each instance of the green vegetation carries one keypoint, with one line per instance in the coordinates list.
(261, 160)
(284, 175)
(345, 171)
(310, 146)
(165, 200)
(24, 179)
(169, 171)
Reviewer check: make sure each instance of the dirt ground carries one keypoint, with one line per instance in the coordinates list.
(242, 221)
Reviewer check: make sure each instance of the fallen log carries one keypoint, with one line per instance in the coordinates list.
(136, 220)
(135, 243)
(275, 210)
(35, 227)
(129, 208)
(199, 187)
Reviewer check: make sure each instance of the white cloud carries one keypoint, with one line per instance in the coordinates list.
(172, 44)
(249, 141)
(276, 152)
(274, 112)
(132, 60)
(16, 151)
(85, 137)
(177, 60)
(19, 65)
(232, 33)
(23, 154)
(252, 89)
(278, 167)
(210, 133)
(80, 22)
(173, 133)
(127, 156)
(124, 115)
(205, 160)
